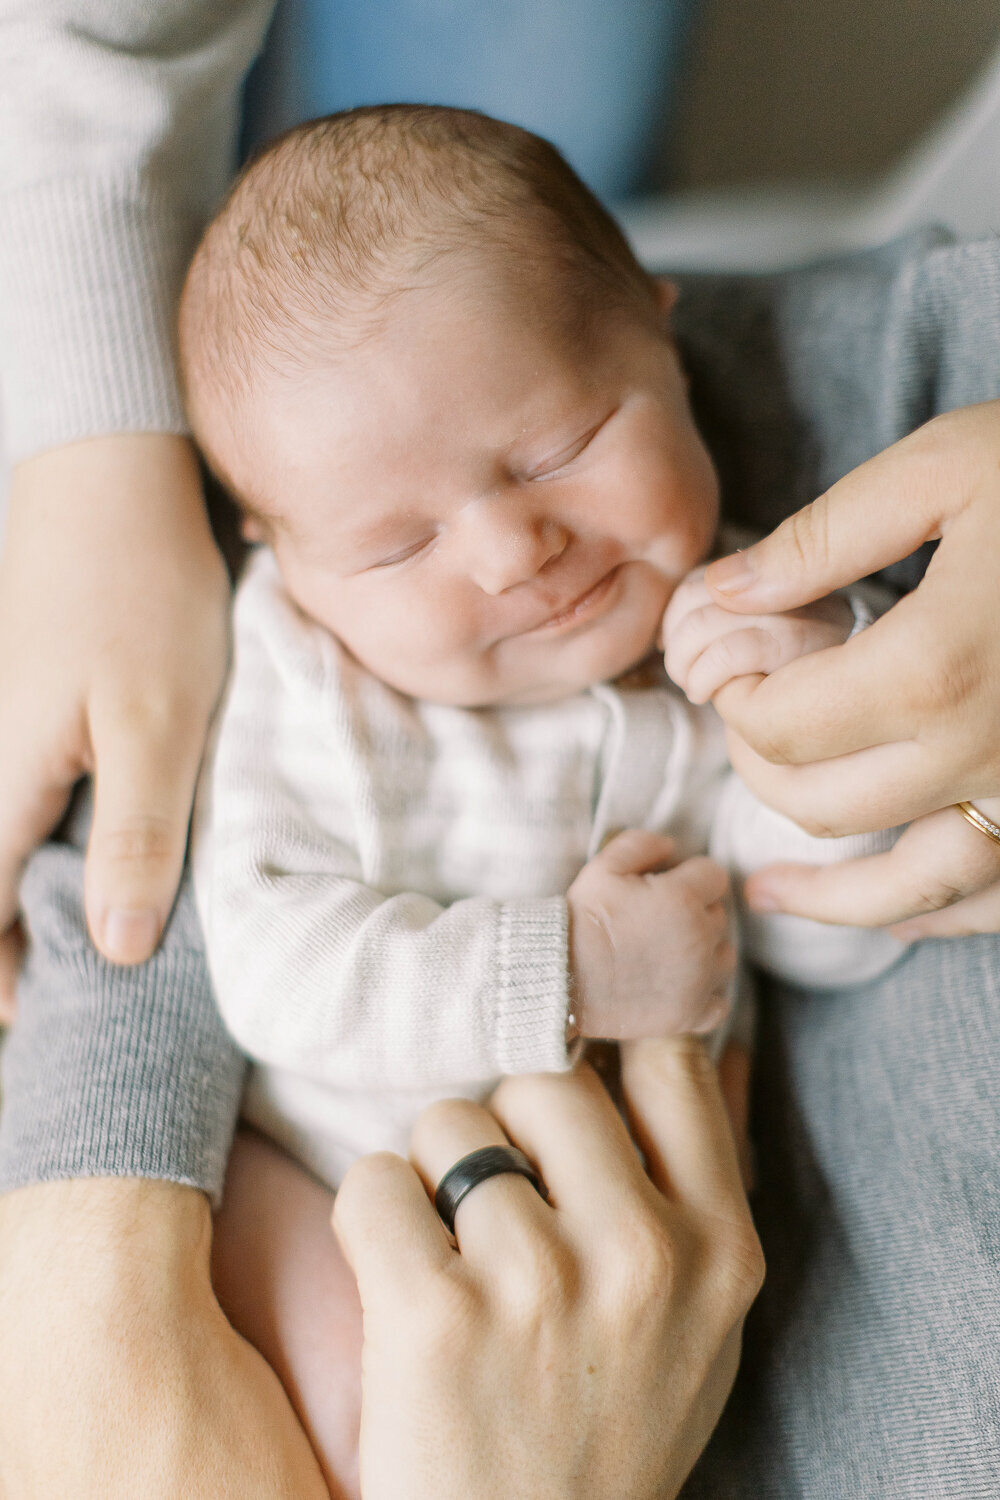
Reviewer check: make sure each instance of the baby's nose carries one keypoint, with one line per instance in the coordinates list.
(507, 546)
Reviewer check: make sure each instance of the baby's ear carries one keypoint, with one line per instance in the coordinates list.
(666, 293)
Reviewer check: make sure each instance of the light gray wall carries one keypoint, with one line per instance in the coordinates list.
(785, 89)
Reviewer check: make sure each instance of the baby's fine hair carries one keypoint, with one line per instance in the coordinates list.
(338, 216)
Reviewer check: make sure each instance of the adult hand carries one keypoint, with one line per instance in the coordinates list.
(113, 641)
(580, 1349)
(903, 719)
(119, 1376)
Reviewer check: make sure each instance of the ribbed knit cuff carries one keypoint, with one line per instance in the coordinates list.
(533, 999)
(110, 1071)
(90, 274)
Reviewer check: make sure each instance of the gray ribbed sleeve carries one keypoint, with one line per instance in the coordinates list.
(109, 1071)
(118, 124)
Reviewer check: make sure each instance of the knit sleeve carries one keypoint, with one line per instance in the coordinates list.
(112, 1071)
(118, 124)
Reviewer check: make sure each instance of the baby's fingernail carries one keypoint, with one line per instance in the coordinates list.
(730, 574)
(130, 936)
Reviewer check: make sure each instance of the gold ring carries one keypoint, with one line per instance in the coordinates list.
(979, 820)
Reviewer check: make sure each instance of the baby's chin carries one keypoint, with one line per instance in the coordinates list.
(538, 683)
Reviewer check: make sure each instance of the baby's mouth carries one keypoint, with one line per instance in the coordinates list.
(585, 607)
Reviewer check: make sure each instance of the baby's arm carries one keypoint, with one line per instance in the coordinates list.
(318, 971)
(324, 957)
(705, 647)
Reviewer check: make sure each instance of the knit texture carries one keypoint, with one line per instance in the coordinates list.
(117, 137)
(112, 1072)
(382, 881)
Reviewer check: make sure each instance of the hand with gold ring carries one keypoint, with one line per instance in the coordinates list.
(580, 1346)
(901, 722)
(940, 879)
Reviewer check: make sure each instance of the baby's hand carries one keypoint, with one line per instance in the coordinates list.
(706, 646)
(649, 945)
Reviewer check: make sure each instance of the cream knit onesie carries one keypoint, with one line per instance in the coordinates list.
(381, 881)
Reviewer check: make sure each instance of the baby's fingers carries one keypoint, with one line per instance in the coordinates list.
(759, 647)
(936, 862)
(636, 851)
(703, 883)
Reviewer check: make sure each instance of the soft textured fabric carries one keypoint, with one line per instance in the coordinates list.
(118, 125)
(871, 1364)
(382, 881)
(112, 1072)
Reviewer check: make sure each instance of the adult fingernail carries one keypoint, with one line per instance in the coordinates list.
(130, 936)
(731, 574)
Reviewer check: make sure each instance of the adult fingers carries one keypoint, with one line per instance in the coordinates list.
(145, 766)
(765, 648)
(937, 861)
(503, 1220)
(977, 913)
(568, 1124)
(879, 513)
(678, 1117)
(857, 793)
(387, 1226)
(865, 692)
(710, 645)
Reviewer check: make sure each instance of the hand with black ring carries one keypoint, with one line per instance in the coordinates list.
(580, 1347)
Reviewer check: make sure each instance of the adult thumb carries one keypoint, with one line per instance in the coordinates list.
(143, 789)
(876, 515)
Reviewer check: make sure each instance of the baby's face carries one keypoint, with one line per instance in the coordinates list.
(478, 511)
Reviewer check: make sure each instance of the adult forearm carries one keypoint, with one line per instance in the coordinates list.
(119, 1376)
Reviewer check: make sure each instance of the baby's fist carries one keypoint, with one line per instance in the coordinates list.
(649, 941)
(706, 646)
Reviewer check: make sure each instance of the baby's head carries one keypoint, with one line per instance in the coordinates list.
(425, 362)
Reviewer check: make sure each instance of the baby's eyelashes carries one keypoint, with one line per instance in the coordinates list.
(554, 463)
(404, 554)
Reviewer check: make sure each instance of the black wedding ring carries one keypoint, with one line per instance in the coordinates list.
(477, 1167)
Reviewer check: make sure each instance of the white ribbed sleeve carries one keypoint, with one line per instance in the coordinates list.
(118, 126)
